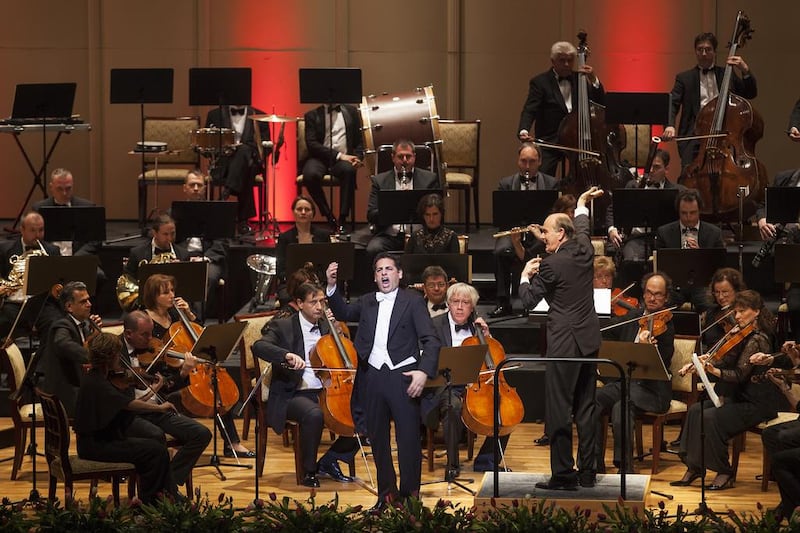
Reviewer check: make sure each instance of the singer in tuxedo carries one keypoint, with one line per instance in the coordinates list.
(696, 87)
(398, 350)
(551, 97)
(512, 251)
(335, 146)
(236, 172)
(403, 176)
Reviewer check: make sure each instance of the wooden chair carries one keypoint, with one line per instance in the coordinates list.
(70, 468)
(461, 141)
(168, 168)
(249, 369)
(327, 179)
(13, 365)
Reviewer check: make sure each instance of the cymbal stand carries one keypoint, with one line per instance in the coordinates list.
(266, 218)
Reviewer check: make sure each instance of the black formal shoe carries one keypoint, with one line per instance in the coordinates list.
(728, 484)
(331, 469)
(558, 484)
(587, 480)
(241, 455)
(686, 480)
(310, 480)
(501, 310)
(544, 440)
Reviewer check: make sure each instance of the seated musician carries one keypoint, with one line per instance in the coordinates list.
(192, 435)
(303, 232)
(645, 395)
(433, 237)
(103, 417)
(719, 318)
(161, 304)
(752, 401)
(511, 252)
(63, 352)
(434, 286)
(403, 176)
(604, 271)
(452, 328)
(162, 245)
(688, 232)
(41, 310)
(295, 388)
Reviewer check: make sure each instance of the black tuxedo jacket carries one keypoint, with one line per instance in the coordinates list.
(545, 107)
(544, 182)
(282, 336)
(669, 236)
(565, 281)
(14, 247)
(315, 134)
(145, 251)
(423, 179)
(62, 359)
(215, 119)
(318, 235)
(410, 329)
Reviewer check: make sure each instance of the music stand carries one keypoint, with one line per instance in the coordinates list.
(458, 366)
(686, 323)
(77, 223)
(636, 109)
(691, 267)
(400, 207)
(643, 361)
(192, 276)
(206, 219)
(520, 208)
(39, 102)
(330, 85)
(787, 257)
(782, 205)
(42, 272)
(458, 266)
(643, 208)
(323, 254)
(215, 344)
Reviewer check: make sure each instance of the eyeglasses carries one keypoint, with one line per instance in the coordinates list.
(704, 50)
(652, 294)
(455, 302)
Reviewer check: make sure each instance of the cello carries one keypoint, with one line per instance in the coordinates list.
(477, 410)
(585, 128)
(336, 352)
(723, 165)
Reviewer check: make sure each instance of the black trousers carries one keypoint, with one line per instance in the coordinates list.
(782, 443)
(388, 401)
(237, 172)
(313, 172)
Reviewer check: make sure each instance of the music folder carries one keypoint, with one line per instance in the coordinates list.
(463, 362)
(602, 303)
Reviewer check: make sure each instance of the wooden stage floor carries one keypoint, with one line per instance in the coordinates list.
(521, 456)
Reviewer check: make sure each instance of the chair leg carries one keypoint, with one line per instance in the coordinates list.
(476, 198)
(658, 436)
(467, 193)
(132, 485)
(470, 445)
(737, 447)
(639, 443)
(766, 471)
(20, 440)
(298, 460)
(430, 433)
(115, 490)
(142, 202)
(246, 421)
(51, 488)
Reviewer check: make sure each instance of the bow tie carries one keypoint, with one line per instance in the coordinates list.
(380, 296)
(689, 230)
(237, 111)
(31, 247)
(333, 108)
(650, 183)
(529, 179)
(707, 70)
(465, 326)
(564, 78)
(439, 307)
(157, 251)
(314, 328)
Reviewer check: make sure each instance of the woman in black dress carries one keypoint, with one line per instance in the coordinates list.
(432, 237)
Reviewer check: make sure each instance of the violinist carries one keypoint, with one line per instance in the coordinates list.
(295, 388)
(645, 395)
(604, 271)
(64, 352)
(452, 327)
(696, 87)
(434, 284)
(103, 417)
(719, 318)
(159, 300)
(136, 339)
(750, 403)
(550, 98)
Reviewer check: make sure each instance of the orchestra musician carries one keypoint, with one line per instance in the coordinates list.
(551, 95)
(398, 350)
(193, 436)
(40, 310)
(64, 352)
(696, 87)
(725, 284)
(512, 251)
(295, 387)
(645, 395)
(303, 232)
(433, 237)
(103, 416)
(160, 303)
(750, 403)
(564, 279)
(403, 176)
(162, 230)
(604, 272)
(434, 285)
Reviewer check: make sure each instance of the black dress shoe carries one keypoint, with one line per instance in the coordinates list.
(686, 480)
(379, 507)
(501, 310)
(587, 480)
(728, 484)
(558, 484)
(310, 480)
(241, 455)
(544, 440)
(331, 469)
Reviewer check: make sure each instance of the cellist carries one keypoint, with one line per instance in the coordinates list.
(294, 391)
(695, 87)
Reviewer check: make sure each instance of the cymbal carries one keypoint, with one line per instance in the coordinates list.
(272, 118)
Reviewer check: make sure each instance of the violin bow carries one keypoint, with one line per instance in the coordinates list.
(623, 291)
(646, 315)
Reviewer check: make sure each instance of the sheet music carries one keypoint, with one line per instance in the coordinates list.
(704, 378)
(602, 303)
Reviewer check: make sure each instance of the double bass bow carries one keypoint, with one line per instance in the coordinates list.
(726, 164)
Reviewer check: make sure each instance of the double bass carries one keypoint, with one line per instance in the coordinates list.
(725, 164)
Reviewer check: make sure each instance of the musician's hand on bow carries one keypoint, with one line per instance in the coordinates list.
(615, 237)
(738, 62)
(688, 368)
(766, 229)
(590, 194)
(294, 361)
(157, 384)
(668, 134)
(794, 134)
(481, 323)
(418, 379)
(531, 267)
(331, 274)
(525, 136)
(762, 359)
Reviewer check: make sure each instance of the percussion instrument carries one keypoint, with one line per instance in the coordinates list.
(213, 141)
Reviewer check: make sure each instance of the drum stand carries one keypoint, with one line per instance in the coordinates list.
(267, 223)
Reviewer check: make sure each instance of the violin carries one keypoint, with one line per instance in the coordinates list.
(125, 378)
(621, 304)
(156, 349)
(477, 410)
(730, 340)
(655, 323)
(790, 375)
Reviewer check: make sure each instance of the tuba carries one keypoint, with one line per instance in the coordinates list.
(266, 267)
(128, 286)
(16, 276)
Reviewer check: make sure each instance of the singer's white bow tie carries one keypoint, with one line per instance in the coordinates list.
(380, 297)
